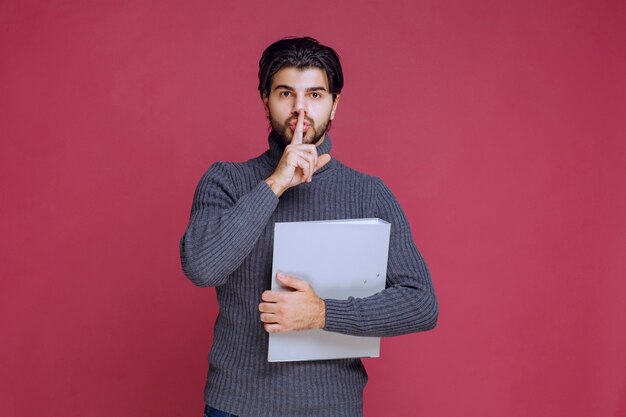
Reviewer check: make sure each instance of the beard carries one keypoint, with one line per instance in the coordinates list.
(311, 136)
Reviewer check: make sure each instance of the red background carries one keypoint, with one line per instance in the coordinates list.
(500, 126)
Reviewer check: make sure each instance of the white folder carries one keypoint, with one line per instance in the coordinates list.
(340, 259)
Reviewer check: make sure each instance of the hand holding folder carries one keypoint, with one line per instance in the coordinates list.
(345, 258)
(297, 308)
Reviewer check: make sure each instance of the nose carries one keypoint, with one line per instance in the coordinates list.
(298, 105)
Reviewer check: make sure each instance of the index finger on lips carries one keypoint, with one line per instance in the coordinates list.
(297, 133)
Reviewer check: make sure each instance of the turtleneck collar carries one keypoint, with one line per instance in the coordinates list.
(277, 147)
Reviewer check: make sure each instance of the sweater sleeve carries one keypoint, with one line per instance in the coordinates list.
(223, 228)
(408, 303)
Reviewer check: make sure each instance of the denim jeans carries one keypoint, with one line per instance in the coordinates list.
(212, 412)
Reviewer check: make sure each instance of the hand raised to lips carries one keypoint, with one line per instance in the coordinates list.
(298, 163)
(296, 139)
(305, 126)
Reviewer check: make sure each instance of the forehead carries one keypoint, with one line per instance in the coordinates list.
(303, 78)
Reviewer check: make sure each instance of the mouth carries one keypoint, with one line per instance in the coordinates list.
(305, 127)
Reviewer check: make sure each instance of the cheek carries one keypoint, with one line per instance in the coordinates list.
(321, 115)
(279, 111)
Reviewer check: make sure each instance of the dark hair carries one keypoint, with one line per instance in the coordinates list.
(301, 53)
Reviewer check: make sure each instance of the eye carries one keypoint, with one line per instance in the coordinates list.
(316, 95)
(285, 93)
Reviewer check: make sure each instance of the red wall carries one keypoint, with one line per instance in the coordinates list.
(500, 126)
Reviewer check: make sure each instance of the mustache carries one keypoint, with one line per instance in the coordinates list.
(295, 120)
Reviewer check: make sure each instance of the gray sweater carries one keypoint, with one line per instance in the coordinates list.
(228, 244)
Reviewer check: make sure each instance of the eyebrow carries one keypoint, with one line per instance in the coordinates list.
(286, 87)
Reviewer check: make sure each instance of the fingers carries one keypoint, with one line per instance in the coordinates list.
(270, 296)
(269, 318)
(271, 308)
(292, 282)
(322, 160)
(303, 157)
(272, 327)
(299, 309)
(297, 134)
(309, 153)
(306, 163)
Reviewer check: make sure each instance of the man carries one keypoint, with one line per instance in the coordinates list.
(228, 244)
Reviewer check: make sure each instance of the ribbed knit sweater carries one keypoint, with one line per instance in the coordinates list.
(228, 244)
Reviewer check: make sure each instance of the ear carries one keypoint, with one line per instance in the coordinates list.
(266, 105)
(334, 109)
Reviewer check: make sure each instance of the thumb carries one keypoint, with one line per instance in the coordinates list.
(292, 282)
(322, 160)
